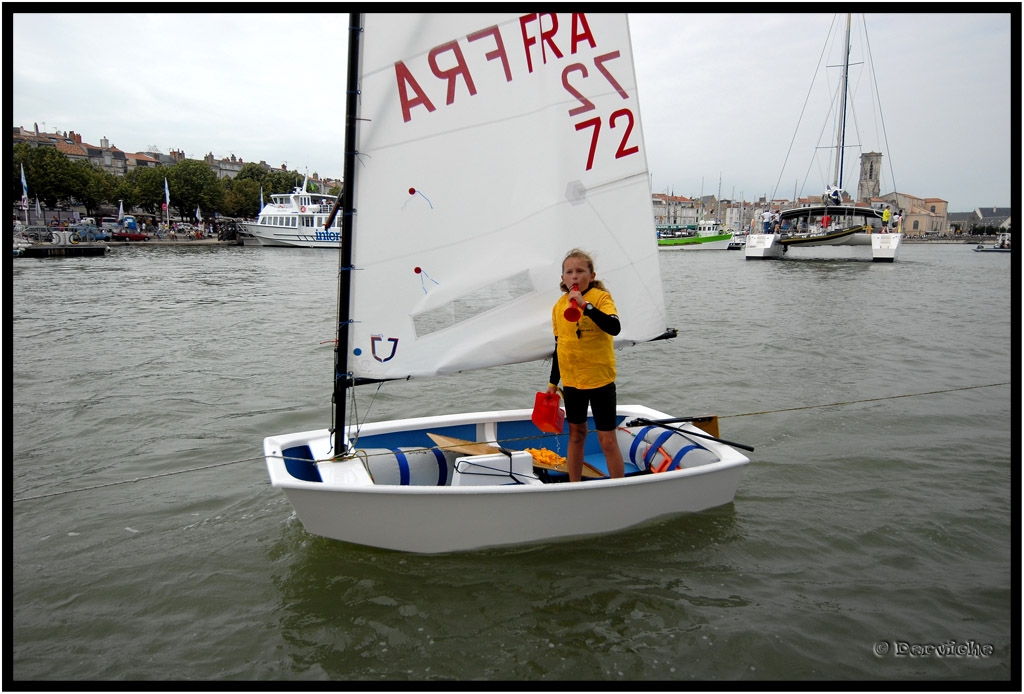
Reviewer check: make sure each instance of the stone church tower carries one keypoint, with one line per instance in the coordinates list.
(870, 173)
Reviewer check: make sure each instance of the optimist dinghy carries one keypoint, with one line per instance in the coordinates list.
(478, 150)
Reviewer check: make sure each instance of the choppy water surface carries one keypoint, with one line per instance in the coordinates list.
(867, 527)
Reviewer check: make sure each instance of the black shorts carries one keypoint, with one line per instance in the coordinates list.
(601, 401)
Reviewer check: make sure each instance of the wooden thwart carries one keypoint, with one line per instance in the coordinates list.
(447, 443)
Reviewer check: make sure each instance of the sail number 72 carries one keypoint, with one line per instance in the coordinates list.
(587, 105)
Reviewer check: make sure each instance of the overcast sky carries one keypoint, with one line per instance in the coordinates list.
(722, 95)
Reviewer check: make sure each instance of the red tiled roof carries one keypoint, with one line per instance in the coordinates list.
(140, 156)
(70, 149)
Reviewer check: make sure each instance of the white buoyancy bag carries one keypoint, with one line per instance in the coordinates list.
(658, 449)
(410, 466)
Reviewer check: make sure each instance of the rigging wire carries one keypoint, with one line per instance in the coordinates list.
(833, 114)
(803, 110)
(881, 116)
(504, 441)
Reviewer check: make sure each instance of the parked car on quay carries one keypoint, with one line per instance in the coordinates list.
(88, 232)
(126, 235)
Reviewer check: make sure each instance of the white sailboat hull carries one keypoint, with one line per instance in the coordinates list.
(885, 248)
(517, 507)
(763, 246)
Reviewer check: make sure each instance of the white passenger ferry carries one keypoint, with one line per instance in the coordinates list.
(295, 219)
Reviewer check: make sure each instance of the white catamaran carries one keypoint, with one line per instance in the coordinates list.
(479, 149)
(833, 222)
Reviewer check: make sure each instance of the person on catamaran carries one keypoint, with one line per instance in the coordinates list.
(584, 361)
(886, 216)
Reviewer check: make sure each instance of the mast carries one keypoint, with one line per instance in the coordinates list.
(700, 218)
(841, 139)
(718, 200)
(342, 375)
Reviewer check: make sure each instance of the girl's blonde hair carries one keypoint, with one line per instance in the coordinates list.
(585, 257)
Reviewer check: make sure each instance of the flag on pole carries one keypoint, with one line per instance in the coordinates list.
(24, 187)
(167, 194)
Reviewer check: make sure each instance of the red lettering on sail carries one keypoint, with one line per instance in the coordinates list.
(405, 78)
(580, 31)
(498, 52)
(599, 61)
(453, 73)
(450, 63)
(588, 105)
(546, 37)
(594, 123)
(623, 150)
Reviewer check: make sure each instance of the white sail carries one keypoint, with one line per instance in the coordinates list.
(489, 146)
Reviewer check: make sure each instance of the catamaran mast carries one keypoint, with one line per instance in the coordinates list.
(342, 375)
(841, 139)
